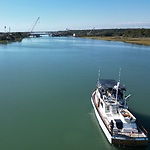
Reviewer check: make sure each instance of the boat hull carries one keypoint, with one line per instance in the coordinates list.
(101, 123)
(133, 142)
(115, 140)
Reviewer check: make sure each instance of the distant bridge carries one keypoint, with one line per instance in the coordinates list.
(40, 33)
(52, 33)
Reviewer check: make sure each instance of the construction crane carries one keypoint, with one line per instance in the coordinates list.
(89, 33)
(34, 24)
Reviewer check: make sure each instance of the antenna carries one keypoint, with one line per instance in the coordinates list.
(118, 83)
(98, 82)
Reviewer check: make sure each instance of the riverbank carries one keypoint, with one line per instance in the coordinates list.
(139, 41)
(12, 37)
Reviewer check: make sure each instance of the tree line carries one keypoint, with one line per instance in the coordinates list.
(132, 33)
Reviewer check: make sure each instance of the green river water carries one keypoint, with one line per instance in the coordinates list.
(45, 89)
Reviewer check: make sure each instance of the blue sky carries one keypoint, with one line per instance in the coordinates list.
(20, 15)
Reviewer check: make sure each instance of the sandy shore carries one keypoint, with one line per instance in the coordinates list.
(140, 41)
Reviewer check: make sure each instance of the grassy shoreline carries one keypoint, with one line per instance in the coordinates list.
(139, 41)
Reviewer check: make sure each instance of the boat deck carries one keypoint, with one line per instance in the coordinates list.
(126, 126)
(135, 135)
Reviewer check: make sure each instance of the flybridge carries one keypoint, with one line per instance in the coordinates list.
(110, 83)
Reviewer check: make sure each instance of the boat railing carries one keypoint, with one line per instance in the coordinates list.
(144, 130)
(104, 121)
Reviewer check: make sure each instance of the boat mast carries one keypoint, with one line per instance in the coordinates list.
(98, 82)
(119, 74)
(118, 83)
(99, 73)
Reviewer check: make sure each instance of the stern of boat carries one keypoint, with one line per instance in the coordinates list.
(138, 142)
